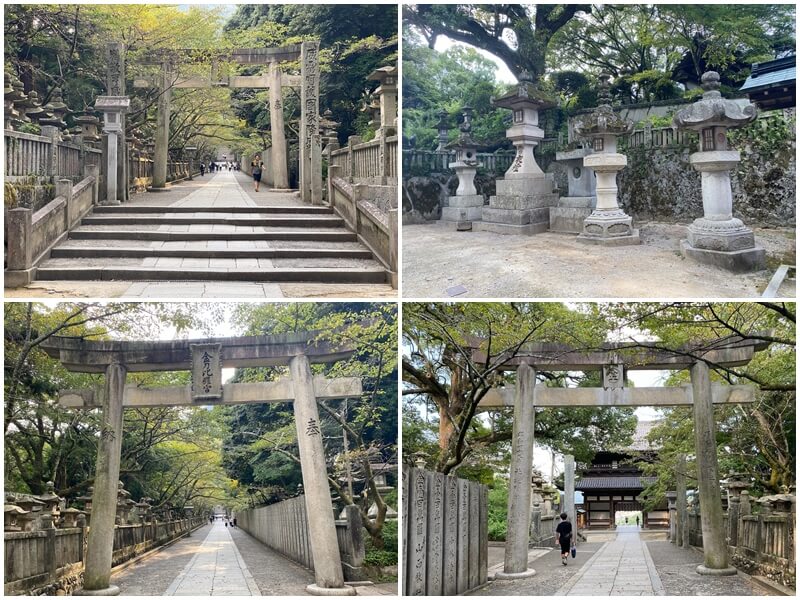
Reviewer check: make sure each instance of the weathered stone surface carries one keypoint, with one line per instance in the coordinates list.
(525, 187)
(522, 202)
(465, 201)
(458, 215)
(516, 217)
(568, 219)
(738, 261)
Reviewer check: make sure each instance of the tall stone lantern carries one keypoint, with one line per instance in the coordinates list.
(525, 194)
(442, 128)
(466, 205)
(608, 224)
(113, 108)
(717, 238)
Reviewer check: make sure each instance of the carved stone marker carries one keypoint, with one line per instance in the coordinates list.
(206, 371)
(717, 238)
(114, 109)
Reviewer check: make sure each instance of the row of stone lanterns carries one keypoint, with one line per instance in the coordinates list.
(526, 201)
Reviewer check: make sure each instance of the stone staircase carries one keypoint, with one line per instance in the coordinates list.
(191, 243)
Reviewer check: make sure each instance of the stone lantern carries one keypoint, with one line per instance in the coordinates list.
(12, 517)
(191, 150)
(442, 128)
(69, 517)
(387, 95)
(50, 499)
(717, 238)
(32, 108)
(123, 504)
(88, 123)
(13, 93)
(524, 194)
(113, 108)
(57, 109)
(573, 209)
(466, 205)
(328, 127)
(608, 224)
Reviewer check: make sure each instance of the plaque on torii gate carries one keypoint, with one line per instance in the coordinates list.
(206, 358)
(613, 359)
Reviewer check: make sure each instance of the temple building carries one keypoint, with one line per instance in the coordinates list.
(613, 483)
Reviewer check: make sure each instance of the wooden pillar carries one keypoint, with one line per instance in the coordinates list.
(519, 489)
(104, 499)
(319, 509)
(715, 551)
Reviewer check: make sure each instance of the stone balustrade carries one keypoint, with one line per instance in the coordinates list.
(760, 534)
(45, 156)
(373, 162)
(49, 561)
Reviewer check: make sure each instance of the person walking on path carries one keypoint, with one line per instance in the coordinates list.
(637, 520)
(234, 521)
(257, 166)
(564, 537)
(202, 169)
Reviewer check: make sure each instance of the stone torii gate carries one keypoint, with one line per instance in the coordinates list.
(274, 81)
(206, 358)
(613, 359)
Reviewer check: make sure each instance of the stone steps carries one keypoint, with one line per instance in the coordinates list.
(124, 209)
(203, 219)
(375, 274)
(306, 244)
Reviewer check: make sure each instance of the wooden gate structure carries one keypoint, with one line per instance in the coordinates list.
(613, 360)
(206, 358)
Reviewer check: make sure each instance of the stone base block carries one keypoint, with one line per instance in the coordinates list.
(111, 590)
(316, 590)
(704, 570)
(618, 240)
(577, 202)
(456, 225)
(523, 202)
(14, 279)
(529, 186)
(465, 201)
(729, 241)
(520, 575)
(568, 219)
(738, 261)
(515, 217)
(508, 229)
(469, 213)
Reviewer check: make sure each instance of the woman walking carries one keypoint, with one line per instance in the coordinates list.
(564, 537)
(257, 166)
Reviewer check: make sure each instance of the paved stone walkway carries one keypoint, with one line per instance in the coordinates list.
(622, 567)
(217, 569)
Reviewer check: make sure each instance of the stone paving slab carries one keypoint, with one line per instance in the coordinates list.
(676, 568)
(216, 569)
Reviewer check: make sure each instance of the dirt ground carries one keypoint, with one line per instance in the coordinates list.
(439, 263)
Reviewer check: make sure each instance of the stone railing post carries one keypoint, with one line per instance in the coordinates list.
(20, 252)
(93, 171)
(354, 535)
(393, 243)
(81, 522)
(49, 545)
(64, 188)
(352, 141)
(51, 132)
(382, 157)
(334, 171)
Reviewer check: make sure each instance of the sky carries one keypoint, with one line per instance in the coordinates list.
(503, 74)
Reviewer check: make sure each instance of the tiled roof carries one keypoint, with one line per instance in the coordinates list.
(775, 72)
(632, 482)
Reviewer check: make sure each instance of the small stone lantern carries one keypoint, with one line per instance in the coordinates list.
(442, 128)
(608, 224)
(387, 95)
(58, 109)
(328, 127)
(69, 517)
(88, 123)
(717, 238)
(113, 108)
(12, 520)
(32, 108)
(466, 205)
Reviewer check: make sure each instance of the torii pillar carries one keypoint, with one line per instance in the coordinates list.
(280, 171)
(161, 155)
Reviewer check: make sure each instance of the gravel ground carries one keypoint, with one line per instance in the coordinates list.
(550, 575)
(549, 265)
(676, 568)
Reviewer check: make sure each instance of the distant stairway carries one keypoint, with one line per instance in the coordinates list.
(237, 243)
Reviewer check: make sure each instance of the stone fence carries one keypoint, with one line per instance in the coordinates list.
(50, 561)
(46, 156)
(373, 162)
(283, 526)
(31, 235)
(445, 534)
(760, 534)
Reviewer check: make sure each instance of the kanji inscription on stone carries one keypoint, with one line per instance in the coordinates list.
(312, 428)
(613, 376)
(206, 371)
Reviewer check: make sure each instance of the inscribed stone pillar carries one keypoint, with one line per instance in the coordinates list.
(104, 498)
(715, 552)
(309, 118)
(161, 155)
(569, 492)
(319, 509)
(115, 86)
(519, 488)
(681, 539)
(280, 173)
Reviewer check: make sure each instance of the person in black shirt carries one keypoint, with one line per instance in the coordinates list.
(564, 536)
